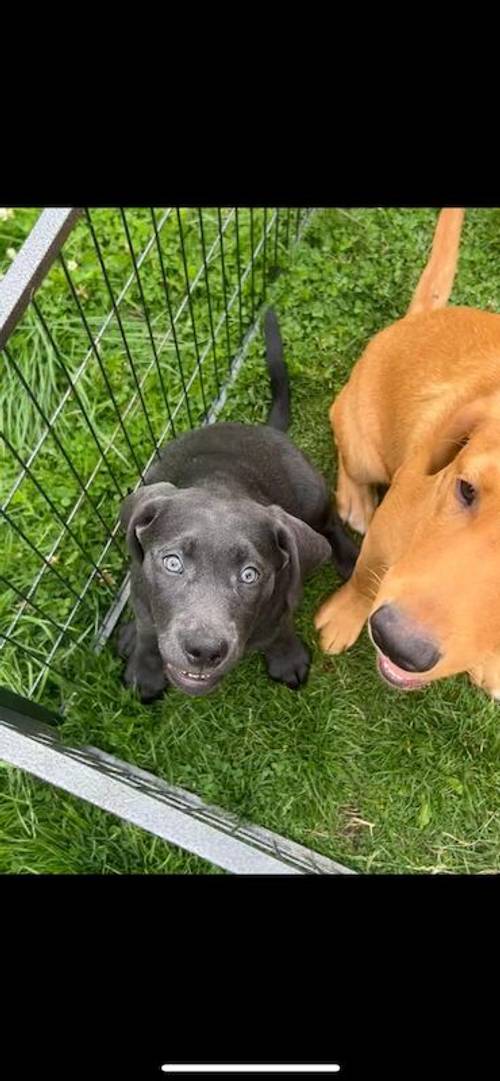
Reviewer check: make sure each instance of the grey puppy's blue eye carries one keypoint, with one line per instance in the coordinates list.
(249, 575)
(173, 564)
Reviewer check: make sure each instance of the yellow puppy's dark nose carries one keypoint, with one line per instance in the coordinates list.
(402, 640)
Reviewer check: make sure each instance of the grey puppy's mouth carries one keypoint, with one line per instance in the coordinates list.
(192, 682)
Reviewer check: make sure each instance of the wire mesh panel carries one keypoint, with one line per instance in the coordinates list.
(130, 339)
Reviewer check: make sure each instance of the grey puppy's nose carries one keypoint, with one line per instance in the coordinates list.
(403, 641)
(202, 650)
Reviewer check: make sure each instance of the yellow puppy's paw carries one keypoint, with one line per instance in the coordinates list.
(487, 677)
(356, 505)
(340, 620)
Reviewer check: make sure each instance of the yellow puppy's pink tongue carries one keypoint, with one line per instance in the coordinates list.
(399, 677)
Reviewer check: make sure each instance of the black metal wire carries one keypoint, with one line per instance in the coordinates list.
(297, 221)
(120, 325)
(252, 266)
(95, 350)
(26, 649)
(72, 614)
(264, 257)
(51, 429)
(146, 316)
(209, 298)
(32, 604)
(191, 312)
(171, 316)
(17, 529)
(287, 227)
(224, 288)
(76, 395)
(12, 450)
(238, 265)
(276, 235)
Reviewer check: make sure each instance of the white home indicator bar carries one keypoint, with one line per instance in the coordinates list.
(257, 1067)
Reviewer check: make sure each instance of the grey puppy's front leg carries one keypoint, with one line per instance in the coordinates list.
(288, 660)
(144, 671)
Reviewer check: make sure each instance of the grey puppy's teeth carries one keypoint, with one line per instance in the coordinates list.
(190, 675)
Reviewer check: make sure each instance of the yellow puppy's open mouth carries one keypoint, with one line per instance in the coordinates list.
(399, 677)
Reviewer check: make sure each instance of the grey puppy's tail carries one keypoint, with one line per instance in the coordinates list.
(279, 415)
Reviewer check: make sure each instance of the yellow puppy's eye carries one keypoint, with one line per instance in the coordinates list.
(466, 493)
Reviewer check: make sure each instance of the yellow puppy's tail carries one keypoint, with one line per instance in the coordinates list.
(436, 282)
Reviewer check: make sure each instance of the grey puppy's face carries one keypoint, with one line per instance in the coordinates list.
(213, 569)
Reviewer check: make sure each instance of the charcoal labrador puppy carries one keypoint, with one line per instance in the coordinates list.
(231, 520)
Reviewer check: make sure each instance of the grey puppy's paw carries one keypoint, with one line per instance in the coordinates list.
(145, 675)
(290, 667)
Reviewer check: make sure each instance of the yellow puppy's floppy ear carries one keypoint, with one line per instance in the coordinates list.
(458, 431)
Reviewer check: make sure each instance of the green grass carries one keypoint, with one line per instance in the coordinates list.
(380, 781)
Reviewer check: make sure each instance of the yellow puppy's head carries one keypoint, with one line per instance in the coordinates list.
(437, 612)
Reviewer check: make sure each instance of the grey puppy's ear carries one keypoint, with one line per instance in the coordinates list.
(140, 509)
(303, 549)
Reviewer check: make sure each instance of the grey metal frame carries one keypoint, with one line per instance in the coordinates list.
(144, 800)
(29, 743)
(31, 264)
